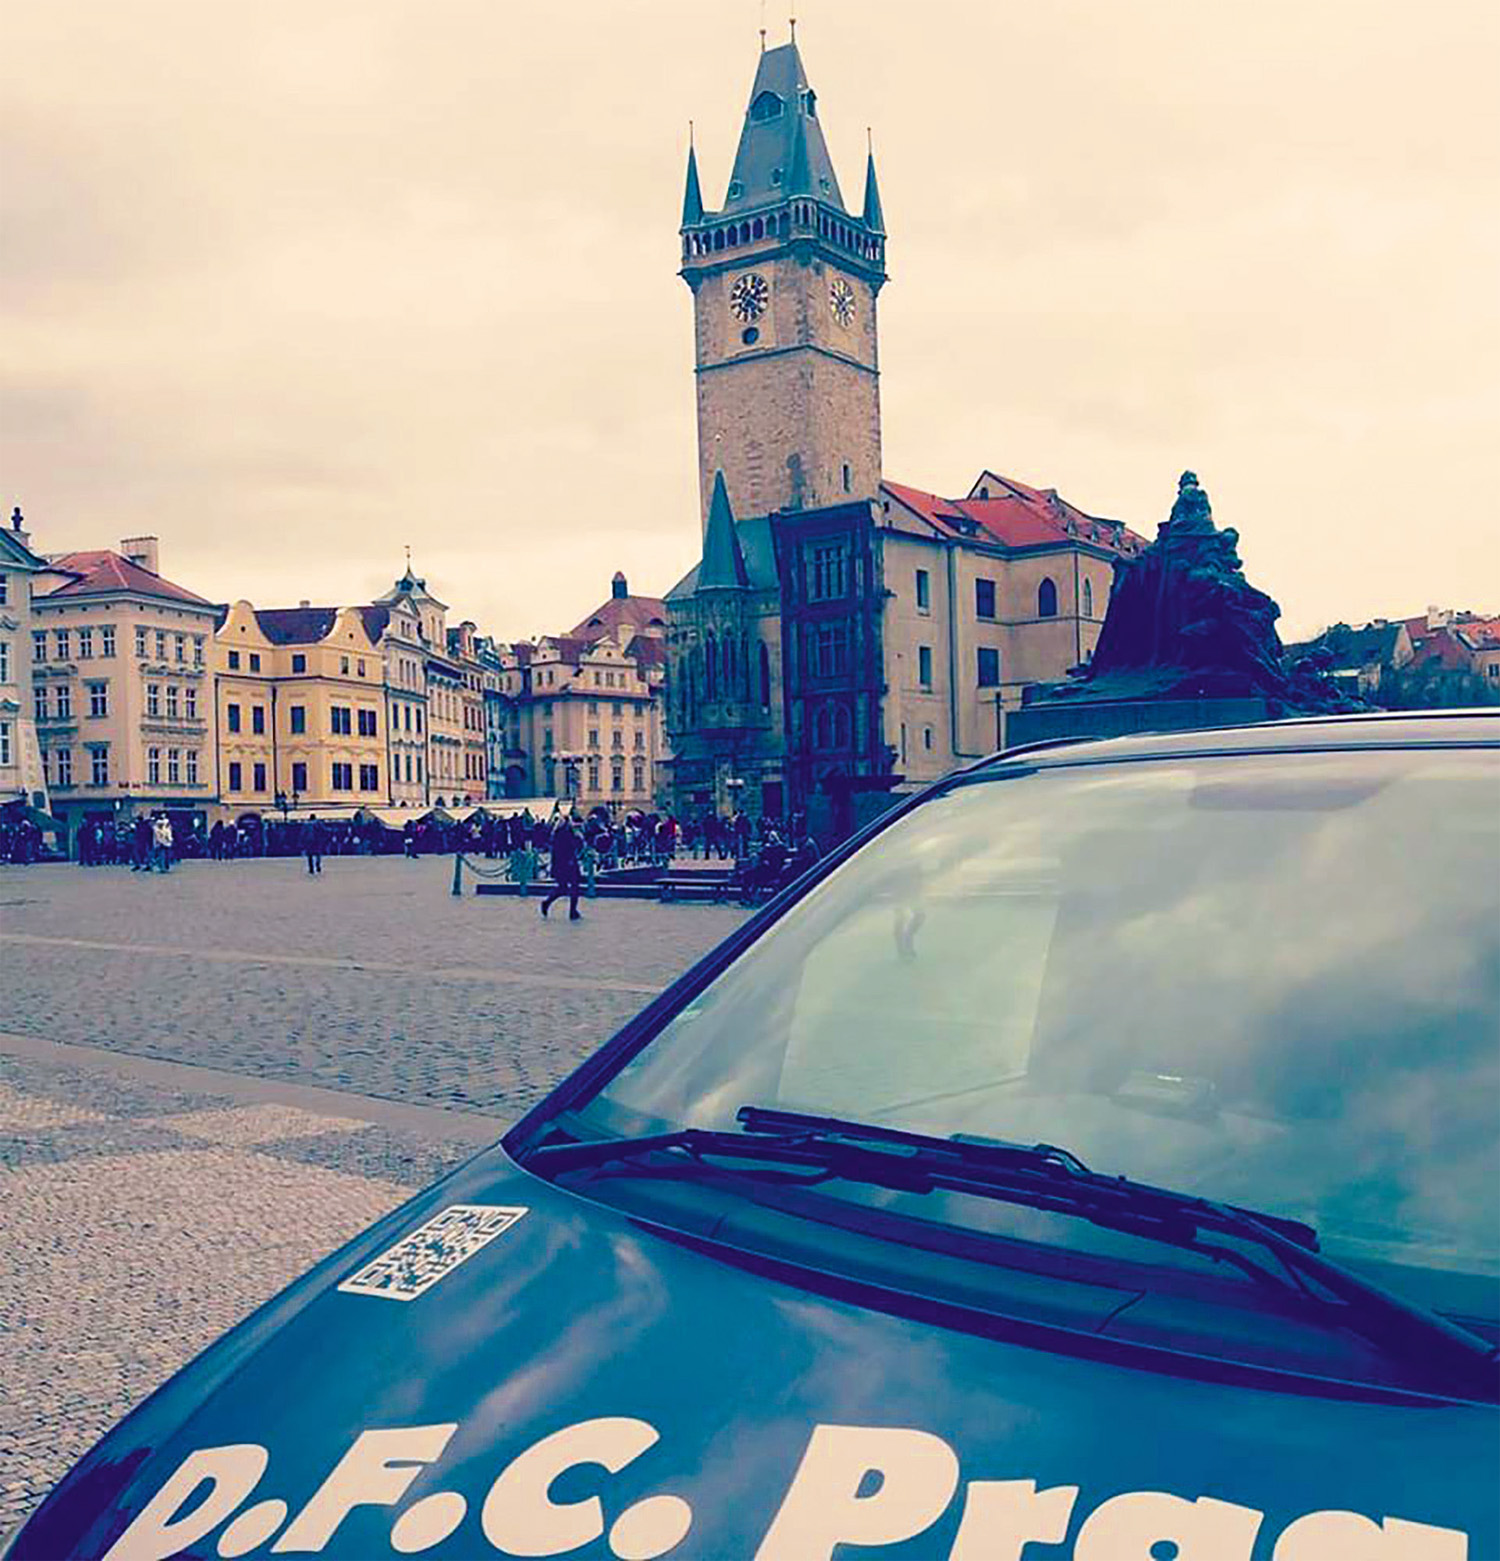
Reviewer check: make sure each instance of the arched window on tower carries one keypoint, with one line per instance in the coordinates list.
(765, 677)
(1046, 599)
(710, 669)
(1088, 598)
(767, 106)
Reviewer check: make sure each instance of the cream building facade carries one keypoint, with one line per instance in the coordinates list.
(22, 777)
(122, 687)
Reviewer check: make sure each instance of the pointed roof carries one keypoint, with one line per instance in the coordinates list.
(874, 217)
(782, 151)
(723, 566)
(692, 200)
(101, 572)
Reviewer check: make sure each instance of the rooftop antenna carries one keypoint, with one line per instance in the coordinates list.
(408, 557)
(794, 29)
(869, 140)
(762, 26)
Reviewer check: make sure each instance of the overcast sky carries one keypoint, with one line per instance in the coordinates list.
(295, 283)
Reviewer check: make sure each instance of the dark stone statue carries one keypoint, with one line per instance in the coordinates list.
(1184, 623)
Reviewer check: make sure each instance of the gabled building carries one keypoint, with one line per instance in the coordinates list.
(300, 710)
(842, 633)
(22, 777)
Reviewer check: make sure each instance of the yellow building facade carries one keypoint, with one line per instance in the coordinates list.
(300, 711)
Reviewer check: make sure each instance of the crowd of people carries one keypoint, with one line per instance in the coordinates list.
(763, 854)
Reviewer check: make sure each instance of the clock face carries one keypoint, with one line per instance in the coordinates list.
(841, 302)
(749, 296)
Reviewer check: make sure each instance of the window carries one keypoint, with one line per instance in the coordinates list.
(140, 640)
(828, 566)
(4, 661)
(172, 698)
(236, 776)
(1088, 598)
(39, 645)
(85, 644)
(64, 702)
(984, 598)
(593, 775)
(258, 776)
(617, 775)
(367, 723)
(62, 644)
(197, 650)
(192, 766)
(640, 742)
(258, 720)
(848, 479)
(419, 767)
(828, 649)
(234, 661)
(619, 740)
(924, 591)
(179, 645)
(924, 666)
(107, 641)
(190, 702)
(341, 722)
(359, 667)
(174, 766)
(299, 661)
(989, 667)
(546, 739)
(4, 599)
(299, 719)
(927, 738)
(1046, 600)
(593, 737)
(5, 758)
(255, 661)
(343, 776)
(99, 766)
(63, 758)
(593, 707)
(231, 713)
(98, 699)
(638, 774)
(419, 723)
(344, 665)
(299, 776)
(369, 777)
(161, 644)
(39, 701)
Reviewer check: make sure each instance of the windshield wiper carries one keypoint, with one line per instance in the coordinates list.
(1050, 1178)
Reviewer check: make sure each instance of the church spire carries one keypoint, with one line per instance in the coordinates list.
(782, 151)
(692, 200)
(723, 566)
(874, 217)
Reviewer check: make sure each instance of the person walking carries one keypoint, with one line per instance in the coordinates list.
(161, 843)
(566, 878)
(314, 840)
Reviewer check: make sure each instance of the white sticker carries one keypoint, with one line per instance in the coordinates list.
(431, 1251)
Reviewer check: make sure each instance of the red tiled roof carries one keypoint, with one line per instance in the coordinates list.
(648, 651)
(1022, 517)
(295, 625)
(102, 573)
(631, 612)
(1441, 645)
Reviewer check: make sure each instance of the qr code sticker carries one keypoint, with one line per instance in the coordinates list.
(431, 1251)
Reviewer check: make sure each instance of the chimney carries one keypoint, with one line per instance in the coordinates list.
(141, 551)
(1439, 617)
(618, 588)
(304, 603)
(18, 527)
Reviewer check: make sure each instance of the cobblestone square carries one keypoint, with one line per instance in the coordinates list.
(190, 1062)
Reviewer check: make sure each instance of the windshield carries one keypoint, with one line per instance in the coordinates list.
(1273, 981)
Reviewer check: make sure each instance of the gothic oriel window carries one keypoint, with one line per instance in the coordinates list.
(827, 575)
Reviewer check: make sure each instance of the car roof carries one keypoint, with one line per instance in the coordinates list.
(1474, 728)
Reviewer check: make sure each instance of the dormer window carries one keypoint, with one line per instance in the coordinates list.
(767, 106)
(810, 101)
(736, 189)
(776, 176)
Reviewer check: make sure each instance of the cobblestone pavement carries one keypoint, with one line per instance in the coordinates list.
(189, 1062)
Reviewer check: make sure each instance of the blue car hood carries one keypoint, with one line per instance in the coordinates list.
(502, 1368)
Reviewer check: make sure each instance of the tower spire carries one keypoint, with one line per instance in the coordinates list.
(874, 217)
(723, 566)
(692, 198)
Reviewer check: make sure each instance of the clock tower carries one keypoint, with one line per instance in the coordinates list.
(785, 281)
